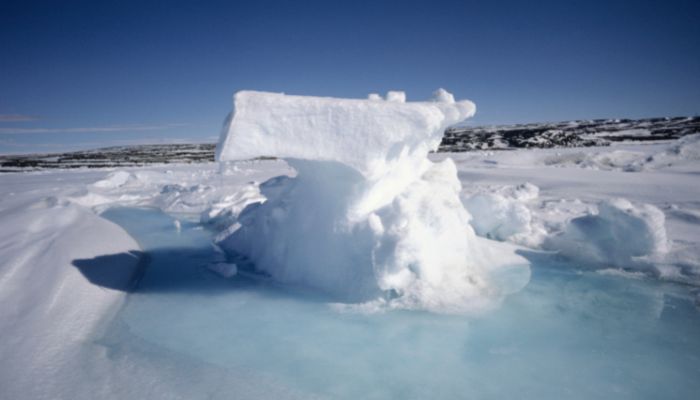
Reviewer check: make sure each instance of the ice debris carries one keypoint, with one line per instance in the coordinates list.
(621, 234)
(502, 213)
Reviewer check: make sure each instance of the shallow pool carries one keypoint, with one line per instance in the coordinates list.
(569, 334)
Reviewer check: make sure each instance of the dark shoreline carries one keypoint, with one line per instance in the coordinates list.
(600, 132)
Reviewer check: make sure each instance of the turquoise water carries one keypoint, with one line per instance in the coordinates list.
(569, 334)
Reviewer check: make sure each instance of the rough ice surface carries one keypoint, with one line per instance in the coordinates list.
(502, 213)
(368, 218)
(684, 152)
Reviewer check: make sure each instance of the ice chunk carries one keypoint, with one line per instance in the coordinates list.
(396, 96)
(366, 135)
(114, 180)
(226, 270)
(620, 234)
(502, 213)
(443, 96)
(368, 218)
(497, 217)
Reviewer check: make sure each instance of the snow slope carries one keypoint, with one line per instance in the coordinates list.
(51, 249)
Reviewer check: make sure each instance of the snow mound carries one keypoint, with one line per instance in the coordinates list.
(621, 234)
(52, 253)
(368, 218)
(684, 150)
(114, 180)
(503, 214)
(615, 160)
(687, 147)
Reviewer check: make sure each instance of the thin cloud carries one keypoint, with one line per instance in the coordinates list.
(93, 129)
(17, 118)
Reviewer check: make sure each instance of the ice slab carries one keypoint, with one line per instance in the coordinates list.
(365, 134)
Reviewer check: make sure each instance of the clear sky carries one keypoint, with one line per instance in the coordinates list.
(92, 73)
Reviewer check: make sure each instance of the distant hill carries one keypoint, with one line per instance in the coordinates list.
(599, 132)
(119, 156)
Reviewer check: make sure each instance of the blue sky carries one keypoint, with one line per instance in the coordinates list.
(79, 74)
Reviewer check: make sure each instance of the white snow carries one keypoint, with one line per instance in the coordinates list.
(114, 180)
(366, 135)
(51, 249)
(620, 234)
(662, 197)
(501, 213)
(683, 152)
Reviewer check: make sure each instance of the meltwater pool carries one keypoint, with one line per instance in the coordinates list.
(569, 334)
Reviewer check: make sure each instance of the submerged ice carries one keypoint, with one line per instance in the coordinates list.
(368, 218)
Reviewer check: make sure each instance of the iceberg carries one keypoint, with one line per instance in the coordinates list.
(368, 218)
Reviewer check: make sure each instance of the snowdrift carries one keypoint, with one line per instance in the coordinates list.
(368, 218)
(51, 310)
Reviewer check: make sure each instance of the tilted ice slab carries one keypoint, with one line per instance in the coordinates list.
(368, 218)
(367, 135)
